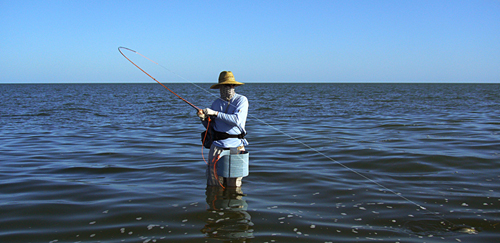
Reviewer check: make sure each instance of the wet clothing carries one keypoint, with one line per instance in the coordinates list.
(212, 179)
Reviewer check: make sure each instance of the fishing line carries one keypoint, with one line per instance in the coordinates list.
(466, 229)
(284, 133)
(189, 103)
(128, 49)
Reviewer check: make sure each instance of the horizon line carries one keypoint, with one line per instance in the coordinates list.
(262, 82)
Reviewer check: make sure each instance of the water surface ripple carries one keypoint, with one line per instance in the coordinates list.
(329, 163)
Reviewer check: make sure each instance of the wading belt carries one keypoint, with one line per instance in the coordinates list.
(223, 135)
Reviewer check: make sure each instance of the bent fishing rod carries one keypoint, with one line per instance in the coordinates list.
(128, 49)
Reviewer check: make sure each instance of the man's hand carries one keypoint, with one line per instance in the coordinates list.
(210, 112)
(201, 114)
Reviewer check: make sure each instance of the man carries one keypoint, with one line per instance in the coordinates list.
(228, 117)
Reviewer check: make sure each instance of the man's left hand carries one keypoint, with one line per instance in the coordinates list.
(210, 112)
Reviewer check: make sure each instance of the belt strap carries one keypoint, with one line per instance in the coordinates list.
(223, 135)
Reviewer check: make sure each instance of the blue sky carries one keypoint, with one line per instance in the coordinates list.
(260, 41)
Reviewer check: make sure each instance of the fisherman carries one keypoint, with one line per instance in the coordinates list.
(228, 117)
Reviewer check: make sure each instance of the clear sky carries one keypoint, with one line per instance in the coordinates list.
(269, 40)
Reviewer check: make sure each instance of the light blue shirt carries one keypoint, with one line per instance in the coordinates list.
(231, 119)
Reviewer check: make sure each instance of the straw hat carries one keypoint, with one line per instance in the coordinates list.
(226, 77)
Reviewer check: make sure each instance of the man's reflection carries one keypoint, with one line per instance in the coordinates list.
(227, 217)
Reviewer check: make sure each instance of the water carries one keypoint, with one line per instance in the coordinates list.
(329, 163)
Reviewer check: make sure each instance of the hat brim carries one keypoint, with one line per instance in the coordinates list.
(216, 86)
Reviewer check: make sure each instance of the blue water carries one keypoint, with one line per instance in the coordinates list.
(329, 163)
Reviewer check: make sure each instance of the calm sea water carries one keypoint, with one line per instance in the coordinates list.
(329, 163)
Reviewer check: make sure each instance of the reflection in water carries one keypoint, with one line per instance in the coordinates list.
(227, 217)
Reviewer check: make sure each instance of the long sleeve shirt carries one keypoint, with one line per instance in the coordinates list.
(231, 119)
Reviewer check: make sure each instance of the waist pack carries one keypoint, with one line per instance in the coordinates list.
(210, 135)
(207, 137)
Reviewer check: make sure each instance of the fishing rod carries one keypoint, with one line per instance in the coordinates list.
(189, 103)
(128, 49)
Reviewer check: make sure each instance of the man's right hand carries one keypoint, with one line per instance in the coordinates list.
(201, 114)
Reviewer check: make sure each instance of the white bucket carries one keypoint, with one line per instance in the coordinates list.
(233, 165)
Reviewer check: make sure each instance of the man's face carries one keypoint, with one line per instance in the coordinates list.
(227, 91)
